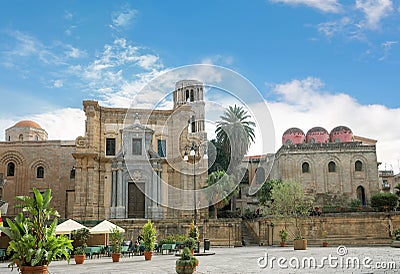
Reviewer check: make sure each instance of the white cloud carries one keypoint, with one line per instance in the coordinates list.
(68, 15)
(123, 18)
(375, 11)
(322, 5)
(305, 104)
(387, 47)
(62, 124)
(58, 83)
(218, 60)
(72, 52)
(345, 26)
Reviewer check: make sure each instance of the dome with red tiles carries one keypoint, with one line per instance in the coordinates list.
(341, 134)
(28, 123)
(293, 136)
(317, 135)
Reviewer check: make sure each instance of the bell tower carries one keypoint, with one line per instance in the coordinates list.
(190, 92)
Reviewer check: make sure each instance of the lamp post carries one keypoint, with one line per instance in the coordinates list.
(194, 149)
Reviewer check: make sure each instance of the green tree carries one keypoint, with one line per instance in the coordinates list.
(217, 158)
(290, 204)
(397, 188)
(223, 185)
(265, 192)
(235, 132)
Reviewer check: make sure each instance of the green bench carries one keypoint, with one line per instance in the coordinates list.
(168, 248)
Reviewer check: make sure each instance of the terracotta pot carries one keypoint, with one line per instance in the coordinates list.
(79, 259)
(185, 269)
(325, 244)
(283, 244)
(300, 244)
(148, 255)
(115, 257)
(42, 269)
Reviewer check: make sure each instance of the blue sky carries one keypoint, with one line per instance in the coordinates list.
(316, 62)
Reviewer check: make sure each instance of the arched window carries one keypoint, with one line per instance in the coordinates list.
(312, 141)
(187, 95)
(72, 173)
(288, 142)
(10, 169)
(305, 167)
(260, 175)
(36, 138)
(21, 137)
(40, 172)
(358, 166)
(332, 167)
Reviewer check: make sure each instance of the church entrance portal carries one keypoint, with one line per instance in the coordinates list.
(136, 200)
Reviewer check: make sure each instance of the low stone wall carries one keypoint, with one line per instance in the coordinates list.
(221, 232)
(361, 228)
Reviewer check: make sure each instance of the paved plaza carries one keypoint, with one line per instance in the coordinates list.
(247, 260)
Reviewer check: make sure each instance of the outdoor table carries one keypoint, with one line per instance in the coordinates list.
(92, 250)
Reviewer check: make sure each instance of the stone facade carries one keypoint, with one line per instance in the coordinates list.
(129, 160)
(41, 164)
(359, 228)
(334, 172)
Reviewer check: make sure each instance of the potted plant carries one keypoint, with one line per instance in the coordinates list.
(80, 238)
(116, 239)
(289, 204)
(33, 243)
(187, 263)
(190, 243)
(283, 234)
(149, 238)
(324, 233)
(396, 238)
(194, 233)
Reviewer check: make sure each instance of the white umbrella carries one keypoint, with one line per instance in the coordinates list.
(68, 226)
(105, 227)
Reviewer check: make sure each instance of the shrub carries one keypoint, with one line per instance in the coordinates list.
(187, 259)
(190, 243)
(283, 234)
(397, 234)
(116, 239)
(355, 203)
(384, 201)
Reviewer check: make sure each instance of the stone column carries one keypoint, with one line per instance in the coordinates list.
(114, 189)
(119, 187)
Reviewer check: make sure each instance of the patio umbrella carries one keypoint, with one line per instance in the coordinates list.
(68, 226)
(105, 227)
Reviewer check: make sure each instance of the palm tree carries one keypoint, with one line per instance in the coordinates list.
(224, 185)
(235, 132)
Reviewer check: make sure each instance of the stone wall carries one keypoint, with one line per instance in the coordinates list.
(222, 232)
(56, 159)
(366, 228)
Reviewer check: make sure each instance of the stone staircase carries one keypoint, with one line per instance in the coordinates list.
(247, 236)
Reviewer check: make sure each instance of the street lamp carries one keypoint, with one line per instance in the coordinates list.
(194, 149)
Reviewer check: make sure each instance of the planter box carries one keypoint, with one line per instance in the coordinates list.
(300, 244)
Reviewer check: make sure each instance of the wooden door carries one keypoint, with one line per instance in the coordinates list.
(136, 200)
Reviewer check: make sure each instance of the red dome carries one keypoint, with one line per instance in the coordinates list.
(293, 136)
(341, 134)
(27, 123)
(317, 135)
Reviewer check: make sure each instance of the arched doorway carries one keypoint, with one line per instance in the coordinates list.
(361, 195)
